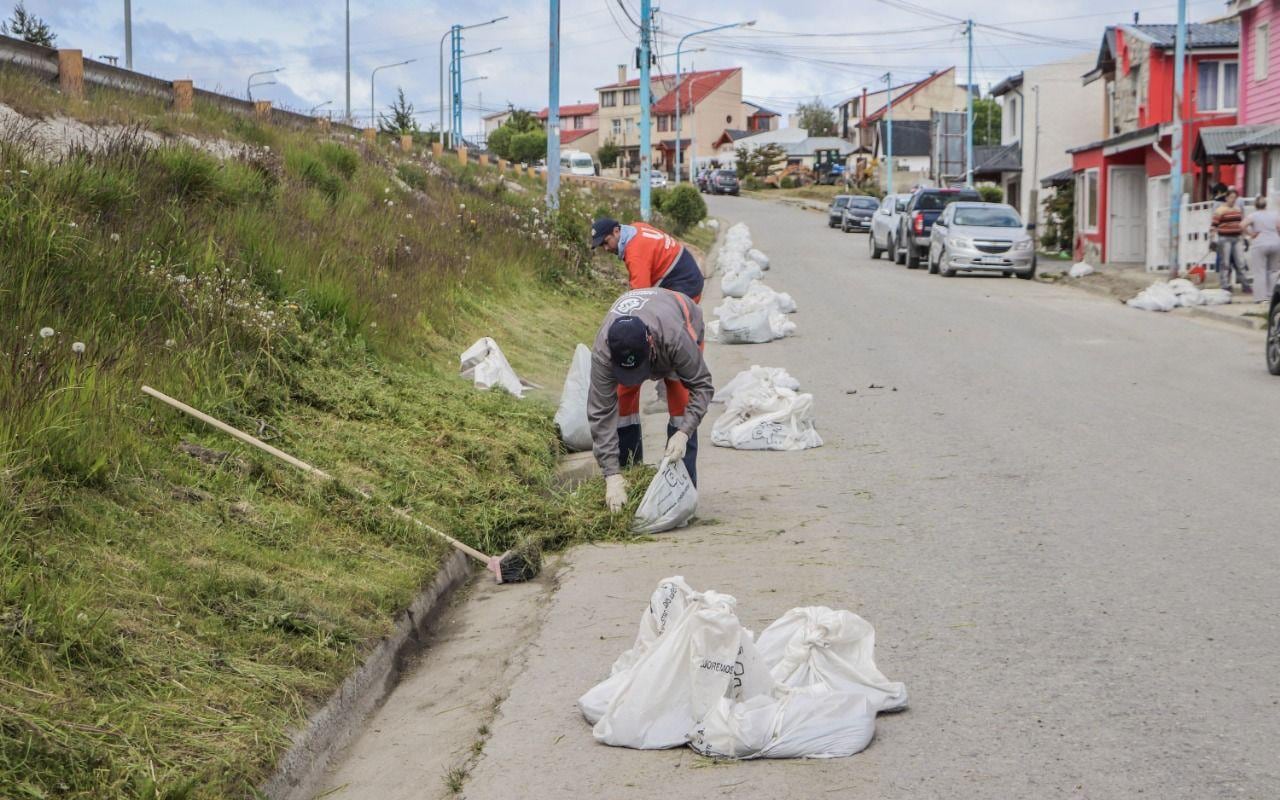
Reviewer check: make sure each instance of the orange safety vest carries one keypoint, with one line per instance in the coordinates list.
(649, 255)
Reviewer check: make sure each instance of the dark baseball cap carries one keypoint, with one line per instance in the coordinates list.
(600, 229)
(629, 349)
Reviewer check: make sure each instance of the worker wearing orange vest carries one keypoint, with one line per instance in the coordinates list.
(654, 259)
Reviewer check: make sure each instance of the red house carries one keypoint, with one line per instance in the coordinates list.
(1123, 179)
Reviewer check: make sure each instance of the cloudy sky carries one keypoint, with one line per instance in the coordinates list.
(798, 49)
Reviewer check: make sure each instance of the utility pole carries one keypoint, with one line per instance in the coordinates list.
(1033, 213)
(680, 88)
(348, 62)
(128, 34)
(888, 107)
(553, 112)
(446, 35)
(455, 91)
(646, 21)
(373, 112)
(455, 70)
(1175, 168)
(968, 119)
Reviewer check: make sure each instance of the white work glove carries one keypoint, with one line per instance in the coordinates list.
(676, 445)
(615, 492)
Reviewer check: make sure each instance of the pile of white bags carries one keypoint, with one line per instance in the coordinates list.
(756, 376)
(809, 689)
(1080, 269)
(737, 265)
(670, 502)
(766, 416)
(484, 363)
(758, 316)
(571, 416)
(1168, 295)
(1216, 297)
(760, 258)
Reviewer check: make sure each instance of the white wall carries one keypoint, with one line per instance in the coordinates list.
(1070, 115)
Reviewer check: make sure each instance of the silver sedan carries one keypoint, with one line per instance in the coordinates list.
(981, 237)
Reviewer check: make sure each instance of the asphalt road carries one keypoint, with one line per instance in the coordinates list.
(1060, 514)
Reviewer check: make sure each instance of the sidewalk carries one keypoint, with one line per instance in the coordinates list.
(1124, 281)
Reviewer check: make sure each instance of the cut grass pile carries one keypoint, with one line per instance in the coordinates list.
(166, 620)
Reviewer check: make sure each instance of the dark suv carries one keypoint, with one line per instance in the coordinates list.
(915, 227)
(1273, 332)
(723, 181)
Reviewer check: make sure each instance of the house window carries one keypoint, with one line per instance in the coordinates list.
(1217, 86)
(631, 97)
(577, 123)
(662, 123)
(1261, 50)
(1013, 117)
(608, 99)
(1087, 201)
(617, 127)
(1253, 172)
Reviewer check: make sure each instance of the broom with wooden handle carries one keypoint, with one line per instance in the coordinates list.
(510, 567)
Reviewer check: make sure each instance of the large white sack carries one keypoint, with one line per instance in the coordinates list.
(780, 325)
(484, 363)
(751, 327)
(806, 722)
(670, 502)
(816, 646)
(729, 261)
(1156, 297)
(1187, 293)
(759, 292)
(758, 257)
(767, 418)
(1080, 269)
(735, 283)
(754, 377)
(666, 606)
(571, 416)
(1215, 297)
(738, 238)
(659, 700)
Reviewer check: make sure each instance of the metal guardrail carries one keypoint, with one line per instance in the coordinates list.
(43, 62)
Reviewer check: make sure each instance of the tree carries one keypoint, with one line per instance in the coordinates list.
(608, 153)
(529, 146)
(522, 121)
(816, 118)
(768, 157)
(401, 119)
(499, 142)
(986, 121)
(28, 27)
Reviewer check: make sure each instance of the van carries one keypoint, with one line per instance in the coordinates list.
(576, 162)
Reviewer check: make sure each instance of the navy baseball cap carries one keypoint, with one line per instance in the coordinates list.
(600, 229)
(629, 349)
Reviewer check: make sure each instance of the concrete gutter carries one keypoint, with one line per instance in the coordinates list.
(300, 773)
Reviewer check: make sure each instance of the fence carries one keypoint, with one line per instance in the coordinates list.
(1195, 240)
(70, 69)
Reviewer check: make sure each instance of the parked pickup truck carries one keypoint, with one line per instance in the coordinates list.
(915, 227)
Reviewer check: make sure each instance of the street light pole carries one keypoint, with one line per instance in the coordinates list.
(1175, 167)
(680, 80)
(372, 109)
(968, 119)
(553, 111)
(888, 108)
(646, 28)
(249, 84)
(455, 83)
(348, 62)
(314, 108)
(454, 30)
(128, 34)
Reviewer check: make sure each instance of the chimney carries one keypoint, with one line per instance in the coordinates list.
(622, 73)
(863, 109)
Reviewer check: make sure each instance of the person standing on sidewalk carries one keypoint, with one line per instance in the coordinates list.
(653, 258)
(1228, 224)
(1263, 229)
(647, 334)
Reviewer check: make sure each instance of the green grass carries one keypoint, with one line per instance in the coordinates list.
(165, 622)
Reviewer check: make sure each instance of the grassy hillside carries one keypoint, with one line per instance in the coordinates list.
(166, 618)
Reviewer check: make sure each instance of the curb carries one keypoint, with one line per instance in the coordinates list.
(1251, 323)
(300, 771)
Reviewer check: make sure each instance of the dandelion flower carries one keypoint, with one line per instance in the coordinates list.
(373, 324)
(462, 205)
(386, 190)
(72, 225)
(115, 237)
(77, 347)
(170, 343)
(394, 296)
(46, 332)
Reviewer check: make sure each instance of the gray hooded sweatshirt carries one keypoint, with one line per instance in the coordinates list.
(676, 331)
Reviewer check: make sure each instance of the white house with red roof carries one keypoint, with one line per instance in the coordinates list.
(579, 126)
(710, 101)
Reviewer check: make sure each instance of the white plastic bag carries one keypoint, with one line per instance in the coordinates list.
(758, 257)
(754, 377)
(735, 283)
(767, 418)
(1187, 293)
(816, 646)
(1215, 297)
(760, 293)
(1156, 297)
(484, 363)
(658, 701)
(571, 416)
(1080, 269)
(670, 501)
(666, 606)
(808, 722)
(751, 327)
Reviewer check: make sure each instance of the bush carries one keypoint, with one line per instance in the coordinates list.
(991, 194)
(684, 206)
(343, 160)
(790, 182)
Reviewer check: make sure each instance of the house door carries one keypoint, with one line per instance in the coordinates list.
(1126, 214)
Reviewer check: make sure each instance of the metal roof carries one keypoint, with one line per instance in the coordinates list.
(1267, 136)
(1199, 34)
(1214, 143)
(990, 159)
(1058, 178)
(1007, 85)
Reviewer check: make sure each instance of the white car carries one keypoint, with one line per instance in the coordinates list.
(885, 222)
(657, 180)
